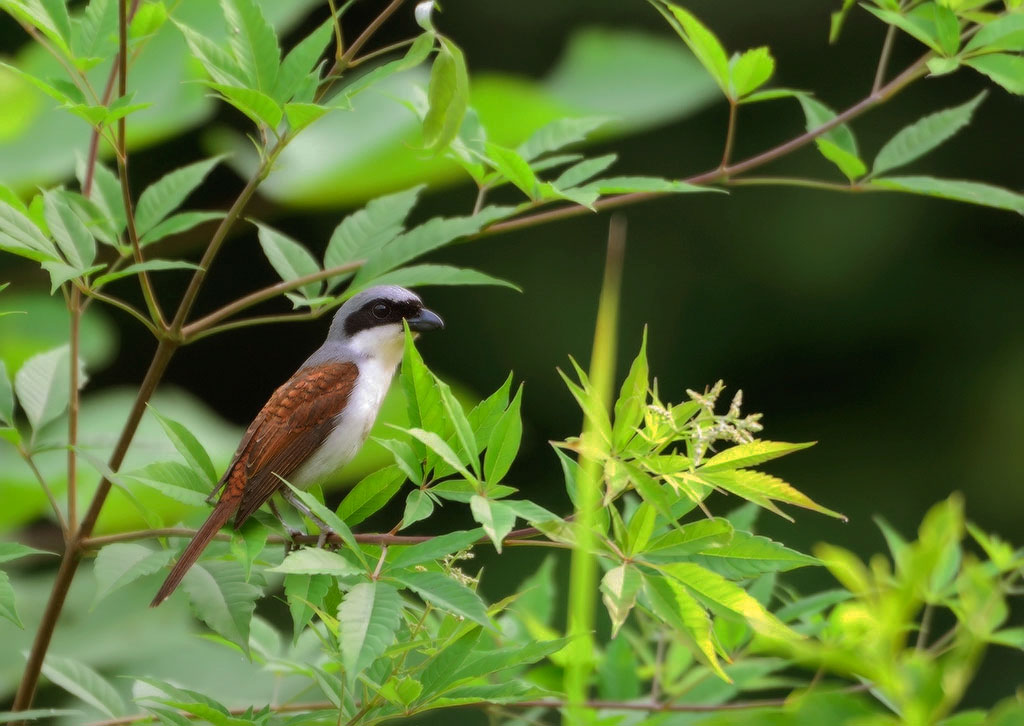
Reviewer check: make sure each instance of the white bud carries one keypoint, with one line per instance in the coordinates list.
(423, 11)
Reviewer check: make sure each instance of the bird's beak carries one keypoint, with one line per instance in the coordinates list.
(425, 320)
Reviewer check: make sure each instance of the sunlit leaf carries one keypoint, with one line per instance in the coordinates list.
(748, 555)
(19, 235)
(749, 71)
(504, 440)
(705, 46)
(1005, 69)
(43, 385)
(448, 96)
(188, 446)
(253, 42)
(497, 519)
(671, 602)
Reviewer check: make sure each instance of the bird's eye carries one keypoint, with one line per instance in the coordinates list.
(381, 310)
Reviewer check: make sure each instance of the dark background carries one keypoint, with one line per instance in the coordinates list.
(886, 327)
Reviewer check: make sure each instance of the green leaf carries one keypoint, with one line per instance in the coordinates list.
(290, 259)
(221, 598)
(84, 683)
(418, 506)
(770, 94)
(701, 41)
(447, 594)
(6, 405)
(166, 194)
(670, 601)
(365, 232)
(369, 617)
(34, 714)
(584, 170)
(749, 555)
(427, 237)
(447, 95)
(631, 184)
(176, 224)
(818, 114)
(557, 135)
(436, 444)
(429, 274)
(434, 548)
(253, 43)
(370, 494)
(257, 105)
(632, 400)
(122, 563)
(49, 16)
(300, 61)
(922, 136)
(20, 236)
(761, 488)
(957, 189)
(301, 115)
(148, 19)
(619, 588)
(750, 454)
(73, 238)
(514, 168)
(851, 165)
(689, 539)
(218, 62)
(405, 458)
(1003, 33)
(750, 71)
(715, 588)
(331, 520)
(188, 446)
(15, 551)
(182, 483)
(304, 592)
(422, 397)
(1005, 69)
(417, 53)
(8, 610)
(497, 518)
(589, 402)
(934, 25)
(504, 440)
(316, 561)
(463, 431)
(43, 386)
(147, 266)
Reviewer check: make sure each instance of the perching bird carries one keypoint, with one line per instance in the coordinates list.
(318, 420)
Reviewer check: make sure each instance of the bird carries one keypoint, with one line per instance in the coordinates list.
(317, 420)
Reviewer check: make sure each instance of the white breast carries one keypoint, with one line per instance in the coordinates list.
(352, 425)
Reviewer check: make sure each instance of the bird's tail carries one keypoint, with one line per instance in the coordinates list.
(220, 514)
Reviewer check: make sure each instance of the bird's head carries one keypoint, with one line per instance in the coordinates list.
(370, 323)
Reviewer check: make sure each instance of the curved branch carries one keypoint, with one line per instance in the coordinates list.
(191, 330)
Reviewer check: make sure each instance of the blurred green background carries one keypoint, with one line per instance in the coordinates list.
(888, 328)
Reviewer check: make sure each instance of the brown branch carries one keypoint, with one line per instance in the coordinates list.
(722, 175)
(346, 58)
(267, 293)
(883, 58)
(730, 134)
(121, 152)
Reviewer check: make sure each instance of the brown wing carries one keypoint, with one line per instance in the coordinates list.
(292, 425)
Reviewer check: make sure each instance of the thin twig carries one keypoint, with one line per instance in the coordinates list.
(121, 305)
(121, 153)
(380, 51)
(783, 181)
(925, 627)
(346, 58)
(46, 490)
(883, 58)
(338, 43)
(267, 293)
(730, 134)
